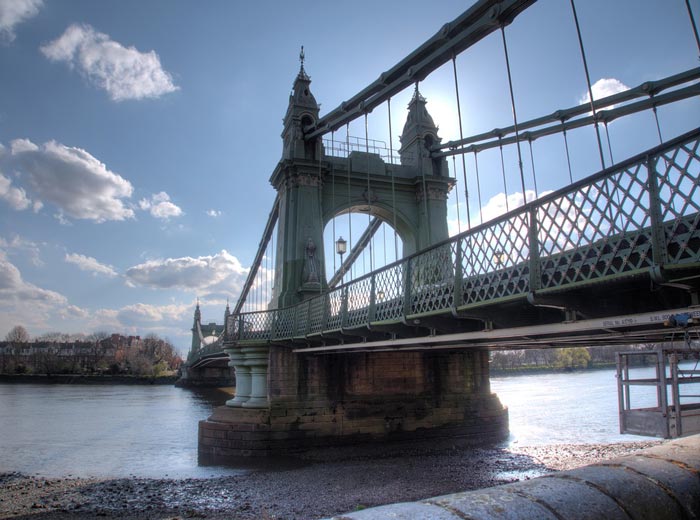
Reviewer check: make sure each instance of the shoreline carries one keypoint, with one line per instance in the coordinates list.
(524, 371)
(323, 486)
(83, 379)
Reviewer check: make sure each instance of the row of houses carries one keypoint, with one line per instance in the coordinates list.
(55, 356)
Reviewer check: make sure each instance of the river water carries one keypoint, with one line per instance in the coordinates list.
(151, 431)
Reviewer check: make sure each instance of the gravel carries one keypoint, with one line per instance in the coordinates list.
(322, 483)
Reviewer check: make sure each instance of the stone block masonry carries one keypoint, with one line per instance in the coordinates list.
(332, 400)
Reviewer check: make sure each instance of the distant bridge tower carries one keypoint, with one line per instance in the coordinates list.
(206, 337)
(362, 182)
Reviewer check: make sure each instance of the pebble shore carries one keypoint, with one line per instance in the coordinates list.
(321, 484)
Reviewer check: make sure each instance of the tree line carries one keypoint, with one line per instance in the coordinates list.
(97, 353)
(560, 358)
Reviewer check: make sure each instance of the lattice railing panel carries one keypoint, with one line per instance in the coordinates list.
(494, 260)
(335, 309)
(432, 280)
(596, 230)
(301, 320)
(256, 325)
(389, 293)
(679, 191)
(284, 323)
(357, 313)
(317, 308)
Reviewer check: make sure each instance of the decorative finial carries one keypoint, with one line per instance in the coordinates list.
(417, 96)
(301, 58)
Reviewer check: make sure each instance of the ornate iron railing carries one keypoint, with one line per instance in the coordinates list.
(636, 216)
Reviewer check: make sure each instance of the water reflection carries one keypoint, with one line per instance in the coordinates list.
(104, 430)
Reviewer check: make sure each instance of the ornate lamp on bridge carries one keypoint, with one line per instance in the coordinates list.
(341, 247)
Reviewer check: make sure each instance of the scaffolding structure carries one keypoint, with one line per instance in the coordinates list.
(676, 412)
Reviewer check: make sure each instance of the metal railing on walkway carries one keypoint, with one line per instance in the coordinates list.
(638, 216)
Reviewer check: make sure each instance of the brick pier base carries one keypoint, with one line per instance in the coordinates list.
(345, 399)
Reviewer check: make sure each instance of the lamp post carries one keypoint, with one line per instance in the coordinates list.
(341, 247)
(500, 258)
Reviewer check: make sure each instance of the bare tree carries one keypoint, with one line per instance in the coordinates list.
(18, 334)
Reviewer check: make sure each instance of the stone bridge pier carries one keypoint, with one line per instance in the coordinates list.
(344, 399)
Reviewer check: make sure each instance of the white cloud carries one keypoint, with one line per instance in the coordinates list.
(214, 213)
(124, 72)
(22, 145)
(77, 183)
(15, 197)
(88, 263)
(20, 246)
(221, 272)
(602, 88)
(14, 290)
(160, 206)
(74, 312)
(141, 314)
(14, 12)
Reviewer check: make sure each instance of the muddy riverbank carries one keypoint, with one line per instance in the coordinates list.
(321, 484)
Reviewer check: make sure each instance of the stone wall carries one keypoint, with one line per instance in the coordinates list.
(210, 376)
(336, 399)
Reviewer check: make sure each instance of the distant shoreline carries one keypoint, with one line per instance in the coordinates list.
(80, 379)
(523, 371)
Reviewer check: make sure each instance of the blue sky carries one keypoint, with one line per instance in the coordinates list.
(137, 137)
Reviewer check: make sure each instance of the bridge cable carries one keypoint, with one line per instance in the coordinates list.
(607, 136)
(568, 156)
(273, 260)
(661, 141)
(616, 189)
(347, 140)
(478, 187)
(658, 126)
(459, 220)
(333, 196)
(588, 83)
(384, 240)
(461, 137)
(515, 115)
(393, 188)
(369, 199)
(532, 162)
(503, 173)
(320, 247)
(692, 23)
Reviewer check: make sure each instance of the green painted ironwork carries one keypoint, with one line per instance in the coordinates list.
(635, 217)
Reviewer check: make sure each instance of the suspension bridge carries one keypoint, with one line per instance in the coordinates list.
(326, 354)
